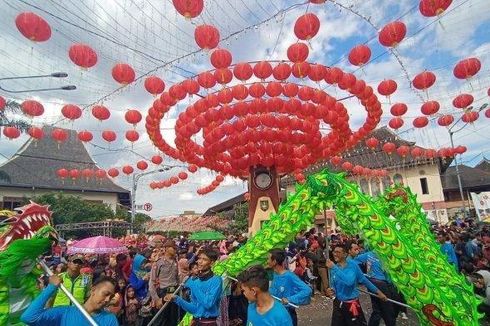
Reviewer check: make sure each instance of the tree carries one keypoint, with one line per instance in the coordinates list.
(239, 224)
(139, 219)
(13, 107)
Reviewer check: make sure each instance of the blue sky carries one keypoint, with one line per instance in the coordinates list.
(154, 28)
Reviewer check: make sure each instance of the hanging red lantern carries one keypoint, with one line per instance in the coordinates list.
(463, 101)
(487, 113)
(189, 8)
(398, 109)
(273, 89)
(192, 168)
(347, 166)
(420, 122)
(467, 68)
(156, 159)
(154, 85)
(240, 92)
(387, 87)
(223, 76)
(59, 135)
(206, 37)
(113, 172)
(359, 55)
(336, 160)
(142, 165)
(301, 69)
(372, 143)
(280, 72)
(109, 136)
(306, 26)
(191, 86)
(392, 34)
(182, 175)
(298, 52)
(262, 69)
(430, 107)
(174, 180)
(3, 103)
(87, 174)
(100, 112)
(333, 75)
(11, 132)
(243, 71)
(62, 173)
(133, 117)
(206, 79)
(221, 58)
(460, 149)
(74, 174)
(33, 27)
(417, 152)
(470, 117)
(424, 80)
(100, 174)
(127, 169)
(82, 55)
(220, 178)
(445, 120)
(317, 72)
(431, 8)
(85, 136)
(389, 147)
(123, 73)
(132, 135)
(290, 90)
(71, 111)
(256, 90)
(177, 91)
(36, 133)
(32, 108)
(396, 123)
(403, 150)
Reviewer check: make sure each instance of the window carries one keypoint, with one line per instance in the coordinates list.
(424, 186)
(398, 179)
(375, 188)
(364, 186)
(11, 203)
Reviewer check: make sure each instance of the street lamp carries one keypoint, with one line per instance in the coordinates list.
(52, 75)
(451, 133)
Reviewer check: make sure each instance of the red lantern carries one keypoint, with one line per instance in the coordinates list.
(387, 87)
(71, 111)
(109, 136)
(462, 101)
(467, 68)
(132, 135)
(445, 120)
(74, 174)
(33, 27)
(240, 92)
(347, 166)
(206, 79)
(273, 89)
(424, 80)
(317, 72)
(174, 180)
(372, 143)
(336, 160)
(460, 149)
(85, 136)
(82, 55)
(189, 8)
(389, 147)
(298, 52)
(431, 8)
(206, 37)
(256, 90)
(62, 173)
(3, 103)
(32, 108)
(262, 70)
(191, 86)
(87, 174)
(398, 109)
(223, 76)
(221, 58)
(36, 133)
(392, 34)
(403, 150)
(133, 117)
(470, 117)
(123, 73)
(182, 175)
(430, 107)
(100, 173)
(301, 69)
(306, 26)
(113, 172)
(396, 123)
(60, 135)
(420, 122)
(359, 55)
(487, 113)
(280, 72)
(192, 168)
(100, 112)
(142, 165)
(11, 132)
(154, 85)
(290, 90)
(417, 152)
(243, 71)
(127, 169)
(157, 159)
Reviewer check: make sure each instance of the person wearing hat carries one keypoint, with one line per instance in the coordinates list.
(77, 283)
(164, 279)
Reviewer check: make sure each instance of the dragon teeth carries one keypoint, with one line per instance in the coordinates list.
(18, 231)
(27, 222)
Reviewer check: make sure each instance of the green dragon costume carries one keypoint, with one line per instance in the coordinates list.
(393, 225)
(23, 237)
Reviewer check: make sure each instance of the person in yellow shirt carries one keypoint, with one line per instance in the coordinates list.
(77, 283)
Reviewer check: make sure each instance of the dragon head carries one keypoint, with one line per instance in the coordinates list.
(32, 220)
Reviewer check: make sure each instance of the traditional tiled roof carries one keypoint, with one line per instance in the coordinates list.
(226, 205)
(471, 178)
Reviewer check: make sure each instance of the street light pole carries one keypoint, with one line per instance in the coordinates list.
(52, 75)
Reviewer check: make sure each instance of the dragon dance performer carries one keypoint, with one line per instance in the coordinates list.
(263, 309)
(346, 275)
(100, 296)
(205, 291)
(287, 285)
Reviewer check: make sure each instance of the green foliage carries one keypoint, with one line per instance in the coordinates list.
(239, 224)
(13, 107)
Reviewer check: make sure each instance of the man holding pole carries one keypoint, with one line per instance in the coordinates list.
(77, 283)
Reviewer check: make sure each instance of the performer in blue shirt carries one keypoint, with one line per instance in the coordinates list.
(448, 249)
(345, 277)
(263, 309)
(100, 296)
(205, 292)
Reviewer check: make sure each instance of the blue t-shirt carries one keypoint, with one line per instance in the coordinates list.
(36, 314)
(275, 316)
(345, 280)
(205, 297)
(373, 264)
(288, 285)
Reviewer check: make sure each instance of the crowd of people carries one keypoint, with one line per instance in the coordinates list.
(131, 289)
